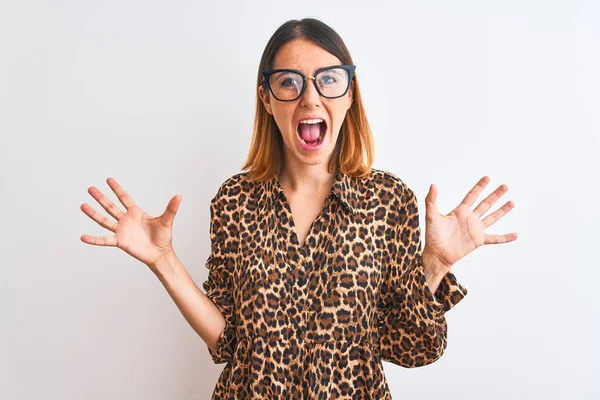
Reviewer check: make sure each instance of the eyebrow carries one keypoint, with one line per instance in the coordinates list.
(316, 69)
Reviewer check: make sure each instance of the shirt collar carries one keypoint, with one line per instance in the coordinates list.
(344, 188)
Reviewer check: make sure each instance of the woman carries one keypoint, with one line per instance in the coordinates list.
(316, 272)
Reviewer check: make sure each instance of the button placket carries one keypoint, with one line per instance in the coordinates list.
(291, 250)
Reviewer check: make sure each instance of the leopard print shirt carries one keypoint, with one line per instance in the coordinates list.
(316, 321)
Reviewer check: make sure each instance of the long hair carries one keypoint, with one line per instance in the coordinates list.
(354, 151)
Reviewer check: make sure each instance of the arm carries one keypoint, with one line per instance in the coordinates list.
(433, 272)
(211, 315)
(414, 295)
(199, 311)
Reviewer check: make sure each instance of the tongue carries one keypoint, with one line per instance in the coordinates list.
(309, 132)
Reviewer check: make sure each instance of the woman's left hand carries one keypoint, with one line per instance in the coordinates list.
(449, 238)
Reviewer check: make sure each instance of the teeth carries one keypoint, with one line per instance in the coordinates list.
(312, 121)
(304, 141)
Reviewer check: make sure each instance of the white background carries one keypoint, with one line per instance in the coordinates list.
(160, 96)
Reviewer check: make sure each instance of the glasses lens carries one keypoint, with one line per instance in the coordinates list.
(286, 85)
(332, 82)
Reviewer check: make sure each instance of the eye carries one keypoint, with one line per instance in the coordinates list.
(289, 82)
(327, 80)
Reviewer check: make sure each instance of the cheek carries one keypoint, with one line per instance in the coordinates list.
(338, 116)
(283, 118)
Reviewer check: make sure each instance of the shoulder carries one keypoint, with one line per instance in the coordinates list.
(394, 197)
(388, 185)
(236, 183)
(233, 189)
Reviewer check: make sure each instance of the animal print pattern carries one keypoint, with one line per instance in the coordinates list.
(316, 321)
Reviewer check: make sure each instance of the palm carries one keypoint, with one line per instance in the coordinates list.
(451, 237)
(137, 233)
(142, 236)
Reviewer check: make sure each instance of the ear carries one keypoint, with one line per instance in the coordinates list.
(350, 94)
(265, 96)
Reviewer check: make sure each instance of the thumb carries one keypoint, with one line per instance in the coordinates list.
(430, 203)
(169, 214)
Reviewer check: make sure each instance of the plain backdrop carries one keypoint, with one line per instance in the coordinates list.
(160, 96)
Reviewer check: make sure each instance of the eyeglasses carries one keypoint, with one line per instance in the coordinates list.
(289, 84)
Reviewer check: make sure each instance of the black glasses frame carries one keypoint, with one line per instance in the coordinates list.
(349, 69)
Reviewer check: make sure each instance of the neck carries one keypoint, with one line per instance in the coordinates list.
(298, 176)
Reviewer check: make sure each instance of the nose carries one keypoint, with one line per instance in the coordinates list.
(310, 98)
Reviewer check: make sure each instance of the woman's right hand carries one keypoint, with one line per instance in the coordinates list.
(144, 237)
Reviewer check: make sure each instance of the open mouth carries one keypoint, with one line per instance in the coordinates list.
(312, 131)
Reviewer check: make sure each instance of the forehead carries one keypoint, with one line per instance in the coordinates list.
(303, 55)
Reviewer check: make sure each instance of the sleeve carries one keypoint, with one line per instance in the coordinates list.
(218, 286)
(411, 322)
